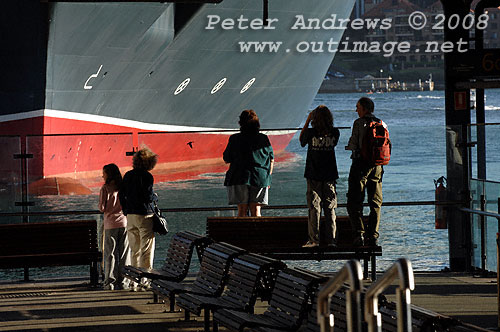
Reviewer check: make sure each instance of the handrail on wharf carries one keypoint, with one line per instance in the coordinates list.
(351, 272)
(219, 208)
(401, 268)
(482, 223)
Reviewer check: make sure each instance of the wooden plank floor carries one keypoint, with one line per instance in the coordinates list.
(463, 296)
(73, 305)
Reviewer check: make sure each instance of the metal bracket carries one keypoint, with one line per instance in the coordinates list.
(23, 155)
(24, 203)
(131, 153)
(467, 145)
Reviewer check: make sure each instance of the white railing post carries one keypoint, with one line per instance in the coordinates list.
(402, 269)
(350, 272)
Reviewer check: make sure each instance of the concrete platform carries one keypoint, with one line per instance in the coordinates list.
(59, 305)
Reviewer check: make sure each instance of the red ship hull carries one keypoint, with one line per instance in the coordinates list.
(59, 149)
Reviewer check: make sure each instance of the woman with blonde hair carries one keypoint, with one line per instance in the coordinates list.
(136, 195)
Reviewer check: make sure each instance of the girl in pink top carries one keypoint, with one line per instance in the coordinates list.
(116, 249)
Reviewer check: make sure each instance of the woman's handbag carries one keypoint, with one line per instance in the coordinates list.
(160, 224)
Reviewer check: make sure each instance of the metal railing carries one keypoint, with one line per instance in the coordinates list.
(350, 272)
(482, 226)
(402, 269)
(220, 208)
(483, 214)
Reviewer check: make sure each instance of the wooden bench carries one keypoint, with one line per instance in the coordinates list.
(249, 277)
(423, 320)
(177, 262)
(210, 280)
(337, 308)
(287, 308)
(58, 243)
(283, 237)
(176, 265)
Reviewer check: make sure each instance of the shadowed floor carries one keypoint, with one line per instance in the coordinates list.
(71, 304)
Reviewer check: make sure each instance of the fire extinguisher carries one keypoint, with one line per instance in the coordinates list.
(440, 197)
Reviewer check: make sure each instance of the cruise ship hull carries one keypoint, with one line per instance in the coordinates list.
(87, 83)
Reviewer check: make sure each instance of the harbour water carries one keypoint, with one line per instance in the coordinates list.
(417, 130)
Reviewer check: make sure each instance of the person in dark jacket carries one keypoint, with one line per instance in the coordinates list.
(321, 174)
(136, 195)
(251, 158)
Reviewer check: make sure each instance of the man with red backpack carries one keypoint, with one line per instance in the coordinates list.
(371, 148)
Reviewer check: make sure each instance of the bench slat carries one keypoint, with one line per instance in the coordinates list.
(177, 262)
(244, 277)
(287, 307)
(210, 280)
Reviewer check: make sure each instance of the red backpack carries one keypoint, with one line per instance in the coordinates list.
(376, 148)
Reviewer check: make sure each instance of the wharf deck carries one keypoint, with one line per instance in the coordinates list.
(57, 305)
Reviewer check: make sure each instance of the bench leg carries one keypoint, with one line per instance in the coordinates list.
(206, 319)
(187, 316)
(374, 268)
(155, 298)
(215, 326)
(171, 299)
(26, 274)
(94, 274)
(365, 268)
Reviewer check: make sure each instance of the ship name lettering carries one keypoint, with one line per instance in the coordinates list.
(241, 23)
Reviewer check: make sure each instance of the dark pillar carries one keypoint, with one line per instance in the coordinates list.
(481, 134)
(480, 116)
(457, 115)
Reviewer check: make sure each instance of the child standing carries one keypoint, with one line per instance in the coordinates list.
(116, 247)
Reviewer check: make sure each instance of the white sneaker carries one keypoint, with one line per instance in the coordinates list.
(310, 244)
(108, 287)
(145, 284)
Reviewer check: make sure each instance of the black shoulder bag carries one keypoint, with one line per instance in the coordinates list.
(160, 224)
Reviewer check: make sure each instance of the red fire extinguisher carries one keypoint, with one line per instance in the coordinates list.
(440, 197)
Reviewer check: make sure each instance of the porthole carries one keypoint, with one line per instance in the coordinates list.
(219, 85)
(182, 86)
(248, 85)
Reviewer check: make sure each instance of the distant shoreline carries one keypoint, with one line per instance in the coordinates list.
(346, 85)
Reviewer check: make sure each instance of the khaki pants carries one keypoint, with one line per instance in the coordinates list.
(141, 239)
(363, 177)
(321, 195)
